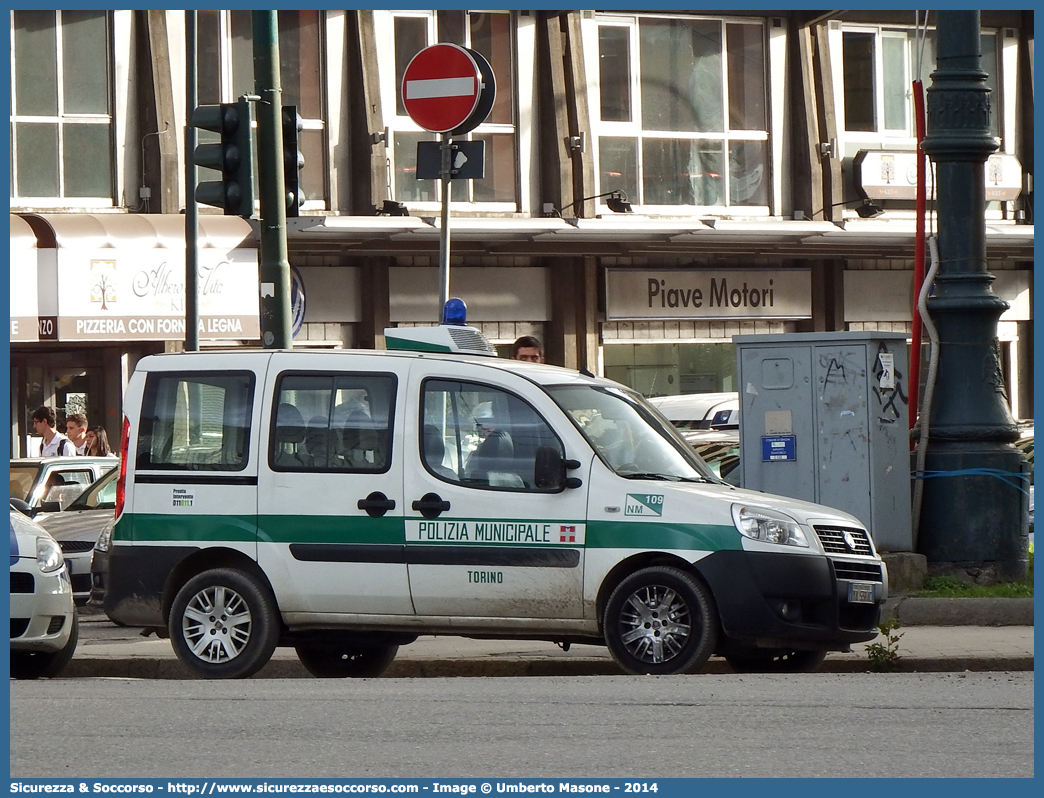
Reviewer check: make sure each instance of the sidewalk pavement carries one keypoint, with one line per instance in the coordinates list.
(941, 635)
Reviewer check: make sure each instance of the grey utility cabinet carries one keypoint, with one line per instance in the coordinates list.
(824, 417)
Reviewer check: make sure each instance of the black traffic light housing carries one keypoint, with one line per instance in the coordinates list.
(233, 157)
(293, 160)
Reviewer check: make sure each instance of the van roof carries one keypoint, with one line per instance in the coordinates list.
(540, 373)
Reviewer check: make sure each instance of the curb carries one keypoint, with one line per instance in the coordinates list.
(142, 668)
(912, 611)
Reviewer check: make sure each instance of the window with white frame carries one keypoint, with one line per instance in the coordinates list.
(61, 108)
(879, 67)
(681, 117)
(225, 63)
(490, 34)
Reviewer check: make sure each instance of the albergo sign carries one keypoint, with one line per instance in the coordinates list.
(448, 89)
(706, 294)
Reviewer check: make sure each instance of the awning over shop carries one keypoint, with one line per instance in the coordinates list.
(624, 235)
(119, 277)
(24, 295)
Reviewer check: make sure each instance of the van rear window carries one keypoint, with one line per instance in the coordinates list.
(333, 422)
(196, 422)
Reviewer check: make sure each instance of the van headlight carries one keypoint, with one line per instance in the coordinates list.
(49, 555)
(757, 523)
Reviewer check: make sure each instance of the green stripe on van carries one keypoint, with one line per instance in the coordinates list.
(273, 528)
(186, 528)
(391, 530)
(658, 535)
(331, 529)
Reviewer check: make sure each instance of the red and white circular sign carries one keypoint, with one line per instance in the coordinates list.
(441, 87)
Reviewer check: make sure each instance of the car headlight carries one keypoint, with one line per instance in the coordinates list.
(757, 523)
(49, 555)
(105, 538)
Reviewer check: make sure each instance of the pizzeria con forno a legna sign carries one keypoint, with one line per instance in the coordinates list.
(705, 294)
(139, 294)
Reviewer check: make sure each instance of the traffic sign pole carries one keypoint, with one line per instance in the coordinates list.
(447, 89)
(444, 233)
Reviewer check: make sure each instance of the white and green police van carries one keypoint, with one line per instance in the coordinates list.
(345, 502)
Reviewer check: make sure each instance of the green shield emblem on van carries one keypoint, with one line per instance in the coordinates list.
(644, 504)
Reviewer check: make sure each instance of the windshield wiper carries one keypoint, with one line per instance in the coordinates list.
(664, 477)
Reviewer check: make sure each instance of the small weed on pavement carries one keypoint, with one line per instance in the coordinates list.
(884, 657)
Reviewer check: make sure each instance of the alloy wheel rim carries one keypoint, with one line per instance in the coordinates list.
(216, 624)
(655, 624)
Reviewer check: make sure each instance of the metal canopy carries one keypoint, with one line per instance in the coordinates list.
(623, 235)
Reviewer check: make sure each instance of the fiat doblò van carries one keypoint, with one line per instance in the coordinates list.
(344, 502)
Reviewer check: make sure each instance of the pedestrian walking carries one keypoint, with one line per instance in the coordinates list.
(98, 443)
(76, 431)
(54, 443)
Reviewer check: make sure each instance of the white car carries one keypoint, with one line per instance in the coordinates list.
(692, 411)
(76, 529)
(44, 627)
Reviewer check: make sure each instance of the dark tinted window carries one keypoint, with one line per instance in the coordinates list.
(196, 422)
(333, 422)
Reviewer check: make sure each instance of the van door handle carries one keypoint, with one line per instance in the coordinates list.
(431, 505)
(376, 504)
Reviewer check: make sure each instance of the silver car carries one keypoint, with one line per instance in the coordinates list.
(76, 528)
(44, 628)
(49, 484)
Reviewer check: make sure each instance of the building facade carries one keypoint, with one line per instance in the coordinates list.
(752, 149)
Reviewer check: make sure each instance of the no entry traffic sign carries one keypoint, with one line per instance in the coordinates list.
(448, 89)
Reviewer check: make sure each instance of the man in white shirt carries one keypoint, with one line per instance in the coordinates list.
(76, 431)
(54, 443)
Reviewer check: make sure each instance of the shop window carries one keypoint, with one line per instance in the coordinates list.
(61, 108)
(879, 67)
(482, 436)
(662, 369)
(198, 422)
(225, 63)
(490, 34)
(333, 422)
(682, 111)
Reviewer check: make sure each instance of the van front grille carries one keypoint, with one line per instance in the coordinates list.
(844, 540)
(858, 571)
(74, 546)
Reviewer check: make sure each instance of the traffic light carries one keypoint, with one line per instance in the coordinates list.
(233, 157)
(293, 160)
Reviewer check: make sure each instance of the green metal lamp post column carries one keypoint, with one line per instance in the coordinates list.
(276, 328)
(972, 513)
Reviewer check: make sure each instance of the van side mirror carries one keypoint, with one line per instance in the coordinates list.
(549, 471)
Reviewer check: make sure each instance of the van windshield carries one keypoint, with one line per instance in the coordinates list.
(630, 436)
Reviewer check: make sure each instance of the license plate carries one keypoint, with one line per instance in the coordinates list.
(861, 592)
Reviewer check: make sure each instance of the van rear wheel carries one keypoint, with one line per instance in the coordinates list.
(775, 661)
(224, 624)
(660, 620)
(340, 662)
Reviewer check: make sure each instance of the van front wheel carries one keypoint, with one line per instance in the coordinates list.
(660, 620)
(224, 624)
(336, 662)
